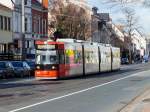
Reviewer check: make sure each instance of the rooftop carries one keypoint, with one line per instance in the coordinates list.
(3, 7)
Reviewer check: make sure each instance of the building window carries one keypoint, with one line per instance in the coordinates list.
(9, 24)
(16, 43)
(1, 48)
(16, 23)
(1, 22)
(34, 24)
(44, 27)
(39, 25)
(5, 23)
(25, 2)
(26, 24)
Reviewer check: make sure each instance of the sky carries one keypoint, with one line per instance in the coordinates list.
(6, 2)
(115, 12)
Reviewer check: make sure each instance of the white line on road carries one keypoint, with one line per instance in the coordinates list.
(70, 94)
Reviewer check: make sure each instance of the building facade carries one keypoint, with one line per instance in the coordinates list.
(100, 32)
(5, 28)
(17, 28)
(138, 43)
(35, 24)
(39, 20)
(56, 9)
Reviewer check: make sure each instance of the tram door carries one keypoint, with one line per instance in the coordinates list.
(62, 66)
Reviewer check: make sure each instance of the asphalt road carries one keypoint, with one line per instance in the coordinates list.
(105, 92)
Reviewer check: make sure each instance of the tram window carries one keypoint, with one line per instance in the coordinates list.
(38, 60)
(41, 59)
(77, 57)
(53, 59)
(61, 57)
(67, 60)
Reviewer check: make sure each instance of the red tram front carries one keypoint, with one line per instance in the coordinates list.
(58, 59)
(48, 56)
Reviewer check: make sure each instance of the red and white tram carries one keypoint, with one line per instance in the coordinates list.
(65, 58)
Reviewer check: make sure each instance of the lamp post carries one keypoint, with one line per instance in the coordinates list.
(22, 50)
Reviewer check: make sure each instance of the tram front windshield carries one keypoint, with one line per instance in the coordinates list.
(47, 57)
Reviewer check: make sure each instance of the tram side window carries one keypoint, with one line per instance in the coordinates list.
(67, 59)
(77, 57)
(87, 57)
(103, 57)
(61, 57)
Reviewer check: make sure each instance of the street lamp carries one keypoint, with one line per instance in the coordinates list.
(23, 30)
(22, 50)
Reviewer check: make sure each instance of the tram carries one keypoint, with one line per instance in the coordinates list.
(69, 57)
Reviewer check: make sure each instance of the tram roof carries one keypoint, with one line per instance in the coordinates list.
(47, 42)
(70, 40)
(62, 41)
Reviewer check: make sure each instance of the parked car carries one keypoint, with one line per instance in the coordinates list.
(145, 58)
(5, 70)
(124, 60)
(20, 68)
(31, 65)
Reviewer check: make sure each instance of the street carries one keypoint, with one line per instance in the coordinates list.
(74, 56)
(105, 92)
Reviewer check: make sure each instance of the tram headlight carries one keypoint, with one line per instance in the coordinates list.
(53, 67)
(38, 67)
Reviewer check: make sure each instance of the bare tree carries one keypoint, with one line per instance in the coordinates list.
(116, 3)
(146, 3)
(71, 20)
(131, 23)
(126, 2)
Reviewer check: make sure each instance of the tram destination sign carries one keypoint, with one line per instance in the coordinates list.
(45, 47)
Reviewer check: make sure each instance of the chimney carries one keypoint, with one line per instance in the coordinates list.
(94, 9)
(45, 3)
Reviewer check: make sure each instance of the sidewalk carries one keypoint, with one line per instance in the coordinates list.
(139, 104)
(16, 80)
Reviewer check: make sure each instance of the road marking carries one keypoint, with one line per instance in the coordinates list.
(74, 93)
